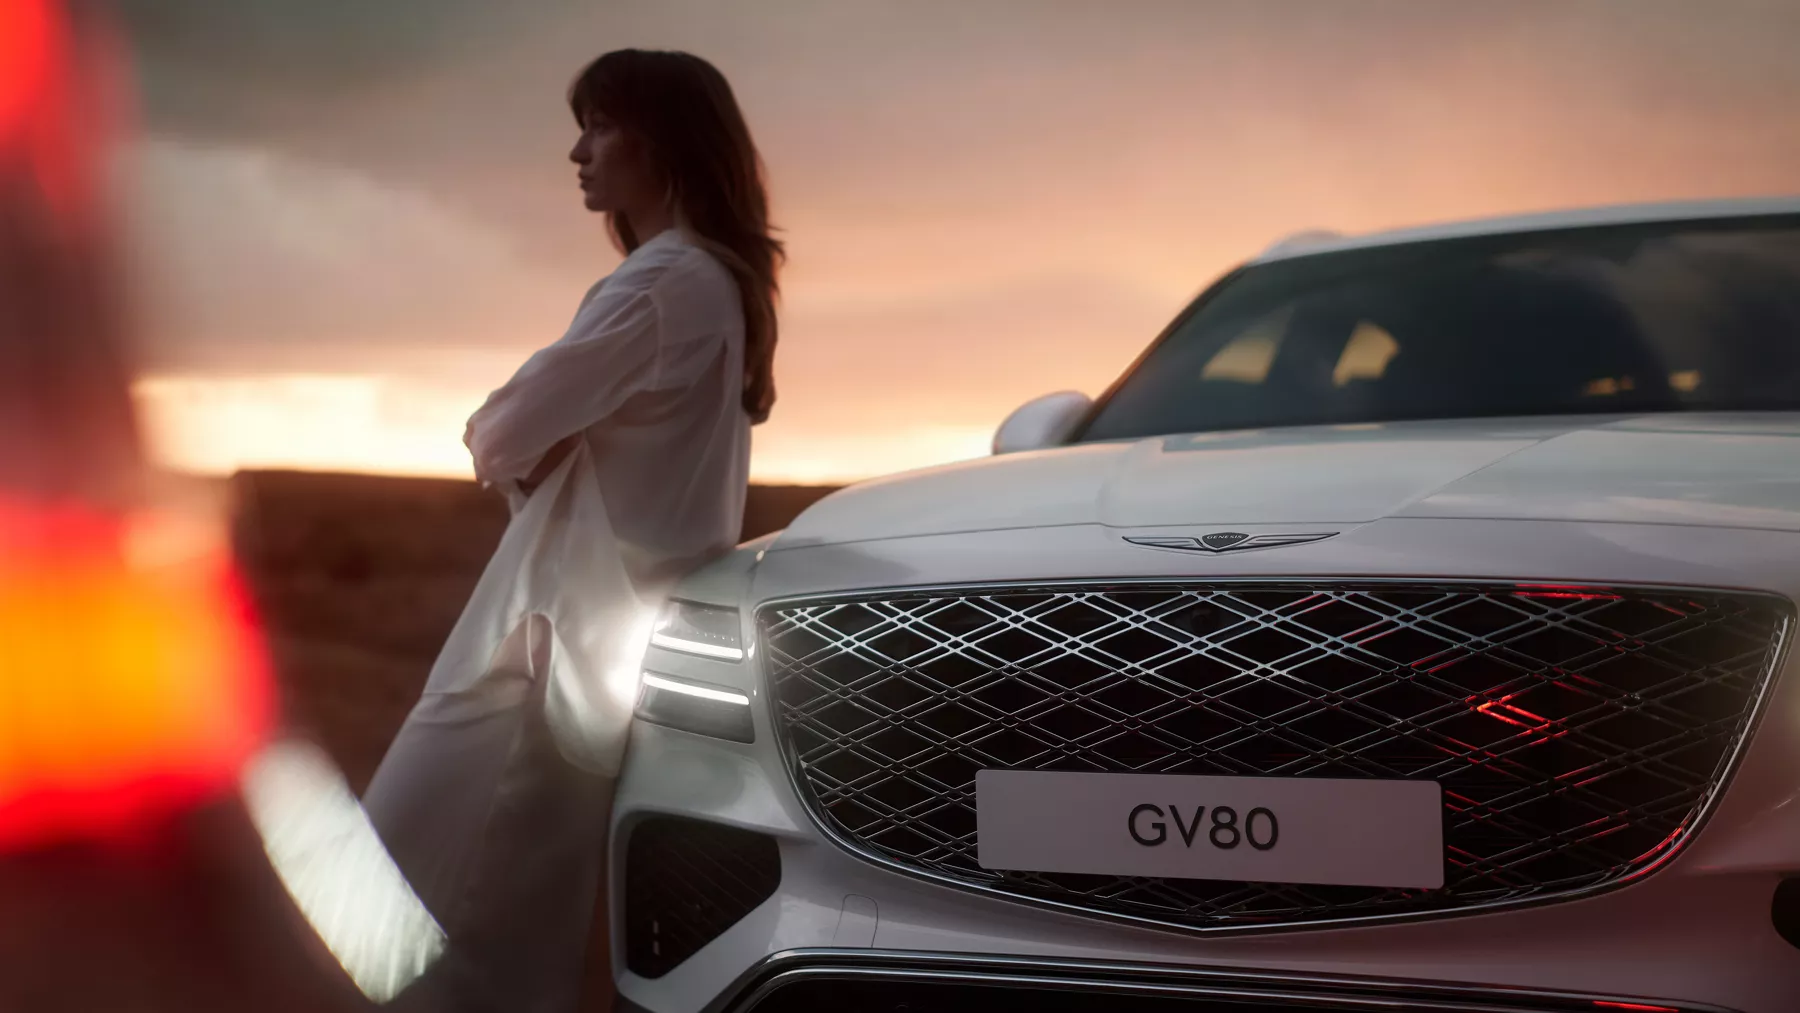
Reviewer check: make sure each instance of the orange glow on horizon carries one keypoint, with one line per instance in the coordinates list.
(375, 424)
(131, 679)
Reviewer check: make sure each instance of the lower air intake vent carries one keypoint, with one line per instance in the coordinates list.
(686, 882)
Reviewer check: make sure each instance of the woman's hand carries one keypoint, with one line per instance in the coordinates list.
(552, 457)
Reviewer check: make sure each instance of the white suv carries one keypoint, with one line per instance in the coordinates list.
(1405, 629)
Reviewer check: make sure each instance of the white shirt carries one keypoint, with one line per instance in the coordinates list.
(650, 373)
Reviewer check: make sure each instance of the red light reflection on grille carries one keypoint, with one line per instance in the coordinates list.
(1668, 840)
(1603, 1004)
(1493, 709)
(1504, 710)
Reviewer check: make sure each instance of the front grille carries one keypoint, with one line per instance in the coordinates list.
(1579, 734)
(687, 881)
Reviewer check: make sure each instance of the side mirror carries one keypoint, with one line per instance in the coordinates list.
(1043, 422)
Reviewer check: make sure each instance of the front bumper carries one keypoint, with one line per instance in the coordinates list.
(880, 979)
(1697, 934)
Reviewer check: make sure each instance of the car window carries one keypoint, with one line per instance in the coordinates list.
(1630, 319)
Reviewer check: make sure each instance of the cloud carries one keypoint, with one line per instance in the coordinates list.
(257, 49)
(251, 258)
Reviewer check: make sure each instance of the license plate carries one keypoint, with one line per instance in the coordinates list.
(1253, 829)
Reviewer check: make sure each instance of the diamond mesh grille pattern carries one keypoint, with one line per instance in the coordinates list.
(686, 882)
(1578, 733)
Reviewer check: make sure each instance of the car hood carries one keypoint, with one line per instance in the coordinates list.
(1730, 470)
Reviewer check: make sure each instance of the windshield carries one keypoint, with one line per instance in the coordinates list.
(1670, 317)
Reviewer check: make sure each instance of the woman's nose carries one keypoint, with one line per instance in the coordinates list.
(578, 153)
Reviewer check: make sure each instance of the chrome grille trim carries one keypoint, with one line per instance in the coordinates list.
(1564, 607)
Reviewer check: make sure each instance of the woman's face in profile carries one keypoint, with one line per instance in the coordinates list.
(611, 167)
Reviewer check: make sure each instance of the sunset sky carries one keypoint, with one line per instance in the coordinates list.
(350, 220)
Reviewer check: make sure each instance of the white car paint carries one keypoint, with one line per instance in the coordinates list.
(1321, 241)
(1677, 500)
(1693, 469)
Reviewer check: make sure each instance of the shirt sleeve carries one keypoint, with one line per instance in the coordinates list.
(611, 353)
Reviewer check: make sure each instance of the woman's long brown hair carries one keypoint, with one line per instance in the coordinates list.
(681, 108)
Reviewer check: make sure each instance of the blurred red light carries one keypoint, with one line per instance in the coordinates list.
(128, 689)
(30, 46)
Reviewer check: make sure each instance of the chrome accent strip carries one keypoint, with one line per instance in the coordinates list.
(803, 794)
(1128, 980)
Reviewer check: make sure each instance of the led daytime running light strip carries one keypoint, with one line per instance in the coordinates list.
(664, 640)
(689, 689)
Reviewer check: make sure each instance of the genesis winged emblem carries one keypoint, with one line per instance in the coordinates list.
(1225, 541)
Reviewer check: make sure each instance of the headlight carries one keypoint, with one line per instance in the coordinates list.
(695, 707)
(707, 630)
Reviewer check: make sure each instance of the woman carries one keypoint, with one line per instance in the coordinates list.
(671, 358)
(645, 404)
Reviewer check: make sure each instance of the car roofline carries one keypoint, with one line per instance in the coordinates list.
(1312, 242)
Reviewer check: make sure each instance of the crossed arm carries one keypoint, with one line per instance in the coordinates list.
(529, 426)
